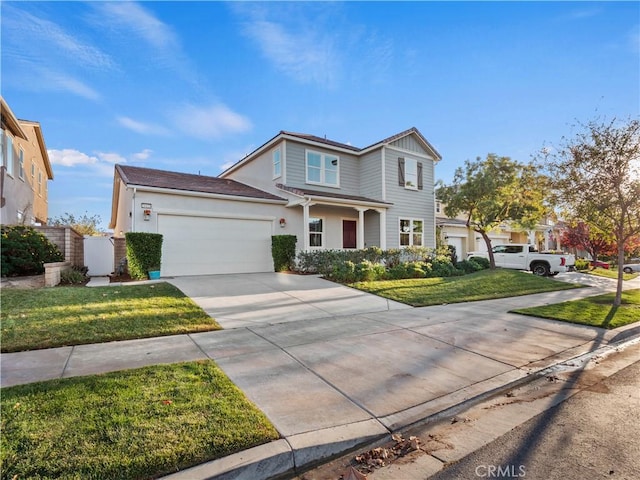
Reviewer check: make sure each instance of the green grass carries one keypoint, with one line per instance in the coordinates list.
(483, 285)
(610, 273)
(54, 317)
(596, 311)
(135, 424)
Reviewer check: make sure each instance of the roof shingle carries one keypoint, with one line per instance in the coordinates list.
(150, 177)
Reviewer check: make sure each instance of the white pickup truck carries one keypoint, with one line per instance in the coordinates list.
(520, 256)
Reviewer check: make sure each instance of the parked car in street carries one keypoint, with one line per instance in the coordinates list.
(632, 266)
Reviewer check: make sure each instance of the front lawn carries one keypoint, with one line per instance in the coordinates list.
(596, 311)
(135, 424)
(483, 285)
(54, 317)
(610, 273)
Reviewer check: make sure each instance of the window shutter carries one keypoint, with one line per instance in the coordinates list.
(401, 171)
(419, 175)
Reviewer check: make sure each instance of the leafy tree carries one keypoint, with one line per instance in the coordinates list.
(493, 191)
(579, 235)
(85, 224)
(596, 178)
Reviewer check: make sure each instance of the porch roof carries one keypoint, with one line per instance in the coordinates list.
(333, 197)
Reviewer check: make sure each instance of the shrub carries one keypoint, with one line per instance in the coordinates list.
(283, 251)
(469, 266)
(582, 264)
(144, 253)
(343, 272)
(483, 262)
(72, 277)
(443, 268)
(367, 271)
(25, 251)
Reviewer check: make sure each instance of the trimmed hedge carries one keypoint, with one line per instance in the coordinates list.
(348, 266)
(144, 253)
(283, 251)
(25, 251)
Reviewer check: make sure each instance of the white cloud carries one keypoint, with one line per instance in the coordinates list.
(70, 158)
(309, 55)
(140, 22)
(61, 81)
(211, 122)
(40, 55)
(142, 156)
(111, 157)
(142, 127)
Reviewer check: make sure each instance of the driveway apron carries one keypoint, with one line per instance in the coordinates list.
(317, 356)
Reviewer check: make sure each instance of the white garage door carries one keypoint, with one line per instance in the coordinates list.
(457, 242)
(205, 245)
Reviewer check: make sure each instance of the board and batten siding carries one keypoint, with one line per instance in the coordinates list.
(417, 204)
(297, 176)
(408, 143)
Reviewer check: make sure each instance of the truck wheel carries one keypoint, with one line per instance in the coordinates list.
(627, 270)
(540, 269)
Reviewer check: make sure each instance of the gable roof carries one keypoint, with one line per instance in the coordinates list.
(319, 141)
(149, 177)
(10, 121)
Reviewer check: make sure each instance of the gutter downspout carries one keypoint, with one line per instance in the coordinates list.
(133, 211)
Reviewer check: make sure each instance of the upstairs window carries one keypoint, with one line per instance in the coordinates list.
(7, 152)
(410, 173)
(40, 183)
(21, 164)
(276, 156)
(323, 169)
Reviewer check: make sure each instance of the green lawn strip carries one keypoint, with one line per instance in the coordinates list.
(483, 285)
(610, 273)
(54, 317)
(134, 424)
(597, 311)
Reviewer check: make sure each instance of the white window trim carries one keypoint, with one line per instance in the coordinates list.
(322, 233)
(322, 169)
(273, 162)
(400, 219)
(8, 153)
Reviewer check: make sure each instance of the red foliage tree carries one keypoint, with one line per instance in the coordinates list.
(579, 235)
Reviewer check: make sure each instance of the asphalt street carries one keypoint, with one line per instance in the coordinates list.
(594, 435)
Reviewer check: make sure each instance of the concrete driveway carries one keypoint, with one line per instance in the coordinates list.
(268, 298)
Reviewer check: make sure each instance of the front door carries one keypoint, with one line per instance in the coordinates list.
(349, 234)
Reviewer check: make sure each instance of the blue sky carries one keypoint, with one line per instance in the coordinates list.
(194, 86)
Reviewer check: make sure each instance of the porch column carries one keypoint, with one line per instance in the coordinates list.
(360, 237)
(305, 226)
(383, 227)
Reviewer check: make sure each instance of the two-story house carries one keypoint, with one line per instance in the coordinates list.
(25, 171)
(329, 194)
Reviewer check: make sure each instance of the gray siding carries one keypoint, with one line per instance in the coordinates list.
(409, 203)
(371, 228)
(296, 173)
(409, 143)
(371, 175)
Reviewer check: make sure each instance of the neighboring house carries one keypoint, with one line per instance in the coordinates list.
(330, 195)
(454, 231)
(25, 171)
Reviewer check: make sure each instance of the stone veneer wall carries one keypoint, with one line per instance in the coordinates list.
(70, 243)
(119, 251)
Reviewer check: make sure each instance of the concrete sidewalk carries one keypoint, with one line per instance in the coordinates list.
(332, 383)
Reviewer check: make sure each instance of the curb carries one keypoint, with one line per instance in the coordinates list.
(294, 455)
